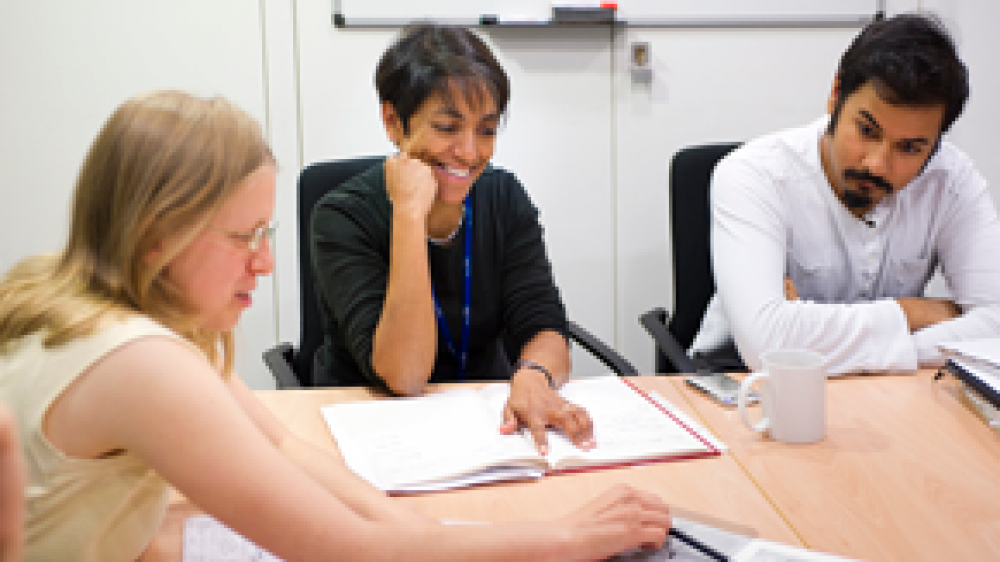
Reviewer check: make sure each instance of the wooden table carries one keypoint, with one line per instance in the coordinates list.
(715, 487)
(905, 472)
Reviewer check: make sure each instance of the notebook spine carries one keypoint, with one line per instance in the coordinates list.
(984, 390)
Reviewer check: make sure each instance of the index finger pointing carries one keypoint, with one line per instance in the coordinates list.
(537, 429)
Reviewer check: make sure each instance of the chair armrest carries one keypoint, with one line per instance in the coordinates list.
(655, 322)
(279, 359)
(600, 350)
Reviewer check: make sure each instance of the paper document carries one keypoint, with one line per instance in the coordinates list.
(208, 540)
(983, 353)
(452, 439)
(985, 375)
(977, 364)
(735, 547)
(766, 551)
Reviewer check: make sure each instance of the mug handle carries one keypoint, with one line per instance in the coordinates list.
(741, 402)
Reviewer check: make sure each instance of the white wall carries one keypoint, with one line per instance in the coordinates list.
(974, 24)
(591, 147)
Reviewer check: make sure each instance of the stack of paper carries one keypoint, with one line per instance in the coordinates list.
(988, 412)
(977, 364)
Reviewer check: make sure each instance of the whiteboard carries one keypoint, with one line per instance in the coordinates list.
(470, 11)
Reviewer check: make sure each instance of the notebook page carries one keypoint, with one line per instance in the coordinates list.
(626, 425)
(984, 350)
(401, 442)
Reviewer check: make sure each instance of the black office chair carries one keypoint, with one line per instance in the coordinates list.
(293, 367)
(690, 176)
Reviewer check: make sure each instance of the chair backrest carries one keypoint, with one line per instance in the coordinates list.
(314, 182)
(690, 176)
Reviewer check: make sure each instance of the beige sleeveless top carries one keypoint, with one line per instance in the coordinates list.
(100, 510)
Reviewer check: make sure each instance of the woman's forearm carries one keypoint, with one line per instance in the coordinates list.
(405, 342)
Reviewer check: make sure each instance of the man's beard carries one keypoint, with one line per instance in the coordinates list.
(858, 199)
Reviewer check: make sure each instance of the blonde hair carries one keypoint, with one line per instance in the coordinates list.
(158, 171)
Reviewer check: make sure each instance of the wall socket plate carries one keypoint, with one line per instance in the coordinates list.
(639, 66)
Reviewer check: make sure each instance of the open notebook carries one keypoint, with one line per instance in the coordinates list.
(451, 439)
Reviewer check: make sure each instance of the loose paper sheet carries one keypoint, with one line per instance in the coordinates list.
(208, 540)
(735, 547)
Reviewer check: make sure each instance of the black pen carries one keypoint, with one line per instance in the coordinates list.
(698, 545)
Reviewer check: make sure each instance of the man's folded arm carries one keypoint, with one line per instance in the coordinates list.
(749, 249)
(967, 249)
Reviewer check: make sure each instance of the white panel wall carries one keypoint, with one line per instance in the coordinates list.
(284, 132)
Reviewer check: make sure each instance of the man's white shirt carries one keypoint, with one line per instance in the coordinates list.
(774, 215)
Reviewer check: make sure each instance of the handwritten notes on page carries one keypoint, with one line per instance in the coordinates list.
(452, 439)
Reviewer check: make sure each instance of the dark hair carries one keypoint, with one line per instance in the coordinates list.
(428, 59)
(911, 60)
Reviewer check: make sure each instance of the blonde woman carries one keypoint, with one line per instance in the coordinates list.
(116, 358)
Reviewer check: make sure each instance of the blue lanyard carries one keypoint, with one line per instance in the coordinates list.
(462, 357)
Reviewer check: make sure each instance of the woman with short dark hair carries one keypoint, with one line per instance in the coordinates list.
(431, 266)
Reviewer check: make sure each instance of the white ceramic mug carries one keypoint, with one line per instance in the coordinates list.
(793, 394)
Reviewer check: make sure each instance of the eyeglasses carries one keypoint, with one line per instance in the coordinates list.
(252, 240)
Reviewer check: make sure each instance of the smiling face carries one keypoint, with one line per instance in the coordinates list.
(217, 272)
(453, 134)
(875, 148)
